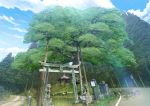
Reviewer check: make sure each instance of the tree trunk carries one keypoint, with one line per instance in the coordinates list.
(126, 83)
(42, 78)
(40, 89)
(141, 80)
(147, 69)
(80, 73)
(113, 85)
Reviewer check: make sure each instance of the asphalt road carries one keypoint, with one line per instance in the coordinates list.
(139, 97)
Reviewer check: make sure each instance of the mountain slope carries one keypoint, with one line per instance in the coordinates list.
(139, 32)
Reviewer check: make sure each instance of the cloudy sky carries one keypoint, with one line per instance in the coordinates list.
(15, 16)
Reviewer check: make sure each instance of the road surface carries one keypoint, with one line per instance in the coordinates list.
(15, 101)
(140, 97)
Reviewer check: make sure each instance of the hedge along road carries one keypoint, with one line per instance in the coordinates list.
(15, 101)
(140, 97)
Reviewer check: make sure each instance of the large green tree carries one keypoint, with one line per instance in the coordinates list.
(100, 32)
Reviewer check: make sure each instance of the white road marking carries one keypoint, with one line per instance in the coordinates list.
(118, 102)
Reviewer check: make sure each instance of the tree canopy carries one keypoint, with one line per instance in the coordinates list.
(100, 32)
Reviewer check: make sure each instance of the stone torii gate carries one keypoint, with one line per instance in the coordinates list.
(59, 68)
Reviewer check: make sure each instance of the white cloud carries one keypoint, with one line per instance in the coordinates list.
(19, 29)
(8, 19)
(14, 50)
(143, 14)
(105, 3)
(38, 5)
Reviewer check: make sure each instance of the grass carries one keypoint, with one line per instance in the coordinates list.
(69, 101)
(108, 101)
(64, 101)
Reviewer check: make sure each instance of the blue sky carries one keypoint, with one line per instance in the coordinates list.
(130, 4)
(15, 16)
(13, 26)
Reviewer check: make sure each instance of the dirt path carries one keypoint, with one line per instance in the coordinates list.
(140, 98)
(15, 101)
